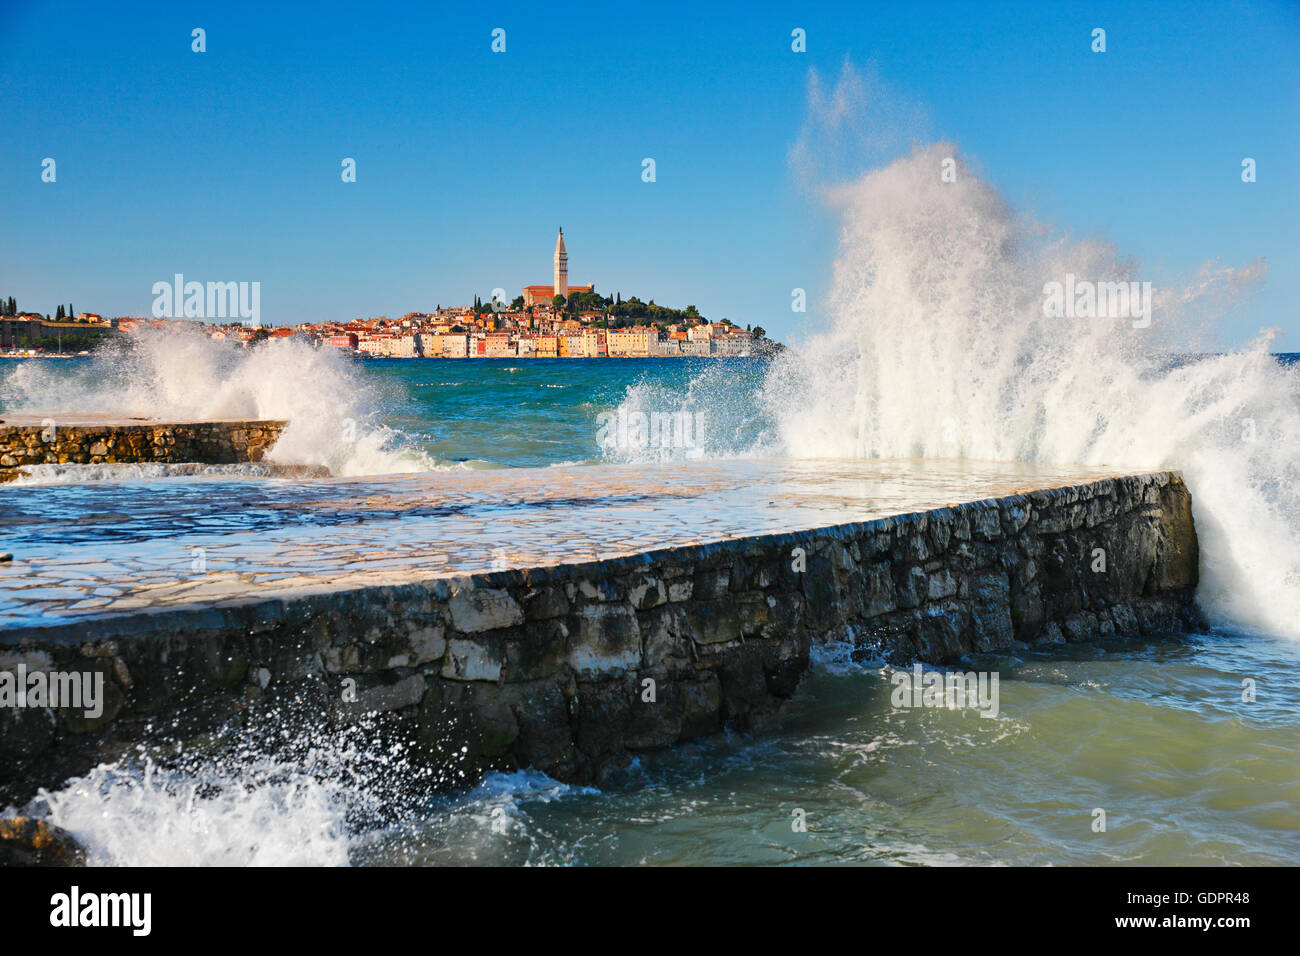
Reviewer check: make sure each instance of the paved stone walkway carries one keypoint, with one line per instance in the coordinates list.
(108, 548)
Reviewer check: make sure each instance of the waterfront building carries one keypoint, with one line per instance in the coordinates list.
(629, 342)
(498, 345)
(733, 345)
(665, 346)
(455, 345)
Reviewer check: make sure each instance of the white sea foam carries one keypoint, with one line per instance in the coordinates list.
(939, 348)
(332, 411)
(281, 793)
(263, 811)
(264, 814)
(74, 474)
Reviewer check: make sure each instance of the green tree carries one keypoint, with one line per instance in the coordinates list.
(557, 303)
(759, 332)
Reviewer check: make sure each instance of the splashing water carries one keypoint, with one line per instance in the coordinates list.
(262, 815)
(336, 806)
(712, 416)
(278, 793)
(177, 374)
(940, 348)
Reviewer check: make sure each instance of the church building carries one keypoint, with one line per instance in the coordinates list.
(543, 294)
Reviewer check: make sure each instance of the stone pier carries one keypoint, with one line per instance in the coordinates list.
(86, 440)
(563, 619)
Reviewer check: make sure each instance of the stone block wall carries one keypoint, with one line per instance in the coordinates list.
(213, 443)
(551, 667)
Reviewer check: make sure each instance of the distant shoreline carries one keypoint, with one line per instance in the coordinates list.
(462, 358)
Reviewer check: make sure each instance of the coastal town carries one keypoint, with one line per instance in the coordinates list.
(543, 321)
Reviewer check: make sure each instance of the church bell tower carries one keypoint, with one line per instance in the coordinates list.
(561, 267)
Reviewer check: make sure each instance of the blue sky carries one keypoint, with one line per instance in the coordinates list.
(225, 165)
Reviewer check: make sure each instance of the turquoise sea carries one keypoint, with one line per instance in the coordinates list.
(1154, 732)
(532, 413)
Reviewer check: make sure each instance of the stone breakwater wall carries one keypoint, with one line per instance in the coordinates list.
(212, 443)
(551, 667)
